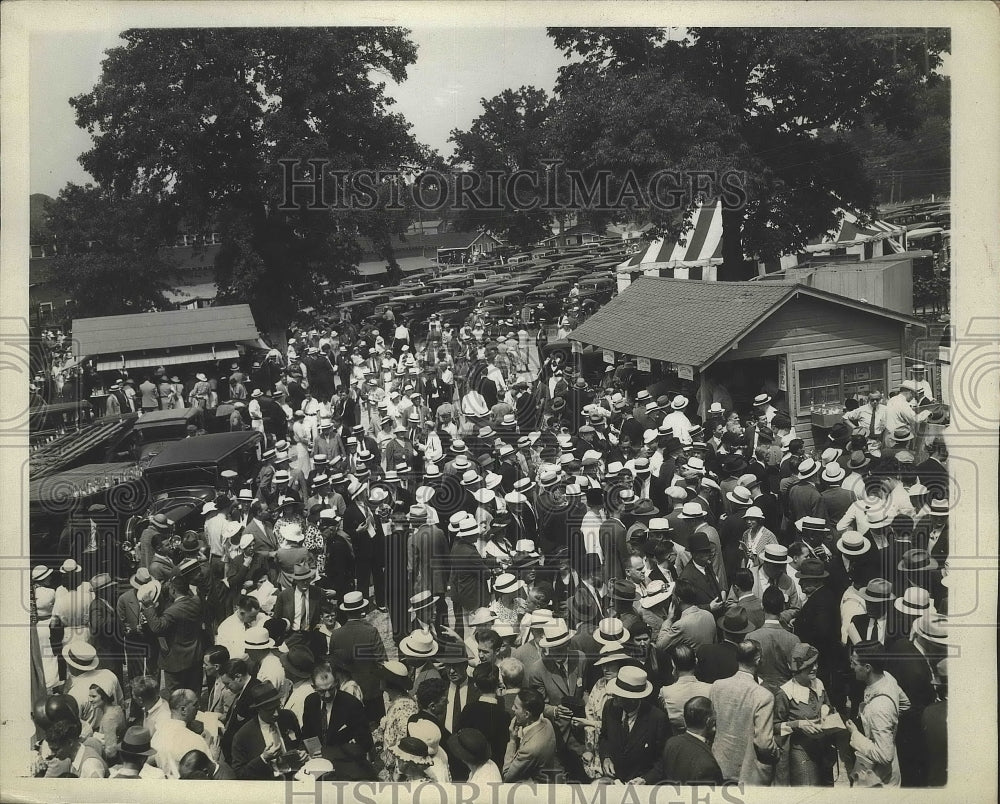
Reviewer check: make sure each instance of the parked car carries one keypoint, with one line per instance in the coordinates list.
(199, 461)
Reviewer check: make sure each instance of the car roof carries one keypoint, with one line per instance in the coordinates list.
(157, 417)
(201, 449)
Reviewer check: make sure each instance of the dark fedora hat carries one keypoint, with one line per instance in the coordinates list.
(813, 568)
(264, 695)
(735, 621)
(470, 746)
(698, 542)
(137, 741)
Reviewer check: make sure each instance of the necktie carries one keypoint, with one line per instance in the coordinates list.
(456, 707)
(874, 633)
(715, 581)
(325, 721)
(625, 723)
(871, 427)
(304, 621)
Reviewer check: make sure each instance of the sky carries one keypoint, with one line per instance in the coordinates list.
(455, 68)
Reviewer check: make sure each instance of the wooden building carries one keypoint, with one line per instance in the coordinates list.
(729, 341)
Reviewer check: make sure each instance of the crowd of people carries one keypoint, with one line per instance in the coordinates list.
(461, 559)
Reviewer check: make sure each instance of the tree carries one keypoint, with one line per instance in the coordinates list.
(791, 97)
(507, 137)
(108, 259)
(202, 121)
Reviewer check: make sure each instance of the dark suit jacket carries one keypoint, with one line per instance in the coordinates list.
(468, 574)
(361, 645)
(703, 585)
(715, 661)
(239, 713)
(348, 727)
(284, 607)
(686, 760)
(554, 687)
(935, 734)
(818, 623)
(180, 625)
(635, 753)
(248, 745)
(584, 611)
(493, 721)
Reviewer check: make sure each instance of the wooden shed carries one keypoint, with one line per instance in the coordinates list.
(729, 341)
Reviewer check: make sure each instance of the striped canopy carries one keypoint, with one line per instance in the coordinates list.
(701, 250)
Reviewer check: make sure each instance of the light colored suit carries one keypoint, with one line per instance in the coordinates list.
(533, 757)
(744, 743)
(694, 627)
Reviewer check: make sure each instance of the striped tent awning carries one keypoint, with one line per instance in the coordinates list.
(701, 249)
(697, 253)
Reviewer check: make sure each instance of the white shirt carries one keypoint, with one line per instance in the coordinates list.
(296, 701)
(213, 533)
(449, 715)
(232, 631)
(680, 424)
(591, 528)
(173, 739)
(156, 716)
(300, 620)
(271, 670)
(87, 767)
(486, 773)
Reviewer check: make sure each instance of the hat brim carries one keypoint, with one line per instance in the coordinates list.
(807, 475)
(406, 649)
(931, 564)
(266, 702)
(767, 560)
(805, 665)
(625, 636)
(822, 576)
(872, 599)
(900, 605)
(938, 640)
(649, 601)
(361, 605)
(744, 630)
(93, 664)
(866, 548)
(266, 646)
(426, 604)
(545, 642)
(614, 689)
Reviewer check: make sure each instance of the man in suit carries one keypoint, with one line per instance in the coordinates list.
(586, 607)
(239, 680)
(744, 743)
(632, 728)
(427, 559)
(270, 732)
(933, 472)
(741, 594)
(776, 642)
(300, 604)
(559, 677)
(360, 646)
(687, 758)
(180, 627)
(686, 686)
(700, 572)
(338, 720)
(469, 573)
(140, 649)
(531, 751)
(818, 623)
(913, 662)
(694, 627)
(718, 660)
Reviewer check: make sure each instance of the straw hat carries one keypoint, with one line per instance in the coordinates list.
(853, 543)
(507, 583)
(353, 601)
(257, 638)
(775, 554)
(631, 682)
(422, 600)
(932, 627)
(656, 592)
(610, 630)
(914, 601)
(418, 645)
(81, 655)
(803, 656)
(556, 634)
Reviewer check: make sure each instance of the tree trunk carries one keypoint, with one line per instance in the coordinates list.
(734, 268)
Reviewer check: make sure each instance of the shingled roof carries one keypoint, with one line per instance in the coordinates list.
(132, 333)
(692, 322)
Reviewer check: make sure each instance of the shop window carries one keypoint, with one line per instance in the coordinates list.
(831, 385)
